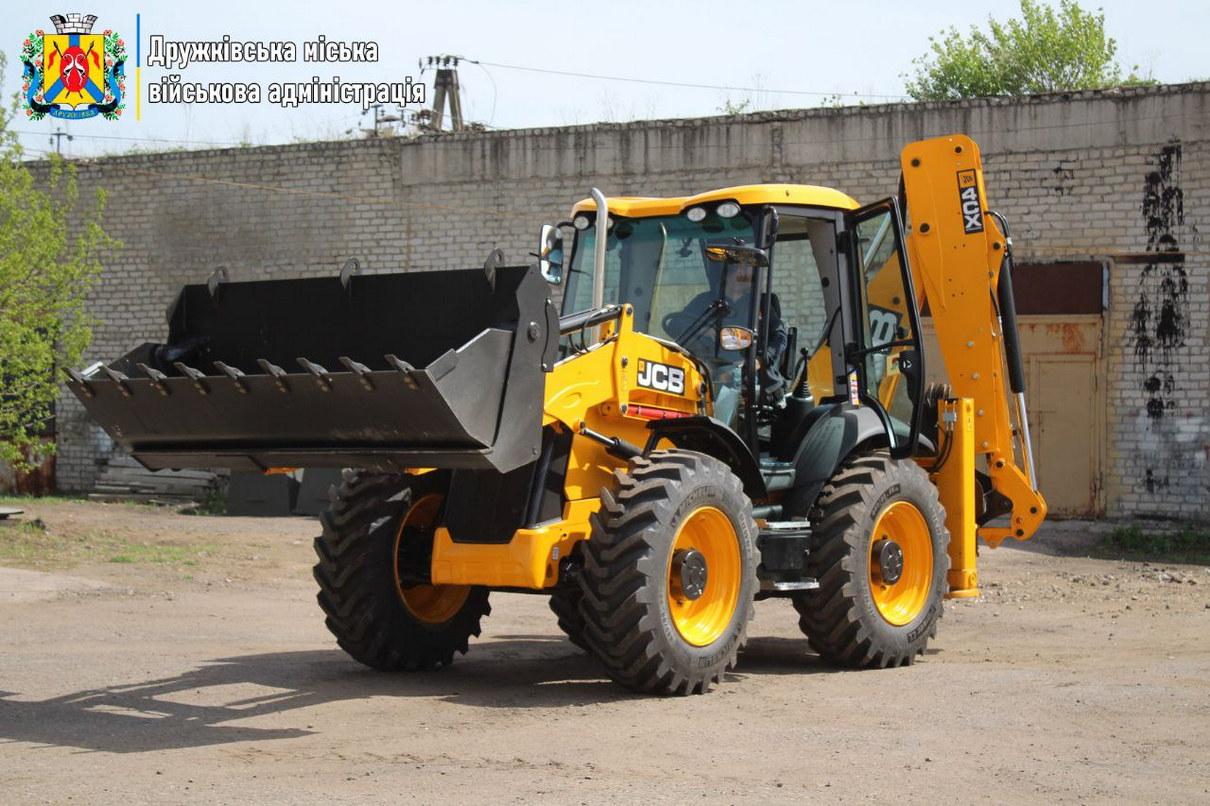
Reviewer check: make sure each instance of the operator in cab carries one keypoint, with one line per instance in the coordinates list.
(697, 328)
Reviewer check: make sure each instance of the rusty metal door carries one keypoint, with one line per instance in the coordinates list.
(1066, 431)
(1062, 331)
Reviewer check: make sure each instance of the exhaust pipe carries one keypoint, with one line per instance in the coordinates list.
(598, 263)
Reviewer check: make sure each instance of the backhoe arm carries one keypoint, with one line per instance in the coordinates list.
(961, 260)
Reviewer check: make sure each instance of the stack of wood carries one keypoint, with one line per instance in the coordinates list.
(124, 479)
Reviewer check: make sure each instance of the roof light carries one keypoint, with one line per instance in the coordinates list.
(696, 214)
(728, 210)
(581, 223)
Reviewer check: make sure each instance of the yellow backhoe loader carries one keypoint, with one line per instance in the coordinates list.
(730, 408)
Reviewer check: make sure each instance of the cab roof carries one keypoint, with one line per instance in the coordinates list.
(643, 207)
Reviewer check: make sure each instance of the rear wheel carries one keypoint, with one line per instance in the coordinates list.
(670, 574)
(373, 556)
(881, 561)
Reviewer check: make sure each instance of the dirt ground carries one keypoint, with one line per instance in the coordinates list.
(155, 657)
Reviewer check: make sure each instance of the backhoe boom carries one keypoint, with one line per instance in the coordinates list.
(960, 256)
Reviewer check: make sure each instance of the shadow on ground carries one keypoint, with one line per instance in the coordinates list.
(216, 702)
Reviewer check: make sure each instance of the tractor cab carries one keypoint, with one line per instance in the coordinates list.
(795, 302)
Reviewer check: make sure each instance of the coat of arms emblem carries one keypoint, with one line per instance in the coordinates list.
(73, 73)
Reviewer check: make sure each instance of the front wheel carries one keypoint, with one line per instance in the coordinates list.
(669, 574)
(373, 555)
(881, 559)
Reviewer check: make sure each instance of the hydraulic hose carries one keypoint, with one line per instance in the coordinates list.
(1012, 345)
(1008, 316)
(1008, 311)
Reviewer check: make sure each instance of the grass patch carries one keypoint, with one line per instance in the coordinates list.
(26, 501)
(214, 502)
(31, 544)
(1188, 543)
(163, 555)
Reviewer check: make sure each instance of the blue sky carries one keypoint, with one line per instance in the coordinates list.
(774, 55)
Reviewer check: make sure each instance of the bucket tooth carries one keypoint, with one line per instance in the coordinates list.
(75, 377)
(322, 378)
(196, 375)
(234, 374)
(157, 379)
(120, 379)
(277, 373)
(404, 368)
(360, 370)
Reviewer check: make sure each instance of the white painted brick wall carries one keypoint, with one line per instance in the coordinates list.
(1070, 172)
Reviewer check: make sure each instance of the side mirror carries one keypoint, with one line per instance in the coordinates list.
(550, 254)
(735, 338)
(738, 255)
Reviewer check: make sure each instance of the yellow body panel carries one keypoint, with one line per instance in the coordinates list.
(529, 560)
(598, 389)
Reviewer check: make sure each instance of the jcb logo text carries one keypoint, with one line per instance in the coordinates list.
(661, 377)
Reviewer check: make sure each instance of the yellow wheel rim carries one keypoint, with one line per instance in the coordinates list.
(703, 620)
(432, 604)
(901, 599)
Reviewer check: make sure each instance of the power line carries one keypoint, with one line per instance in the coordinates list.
(657, 82)
(495, 93)
(135, 139)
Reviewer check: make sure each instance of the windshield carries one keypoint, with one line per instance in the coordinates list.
(659, 266)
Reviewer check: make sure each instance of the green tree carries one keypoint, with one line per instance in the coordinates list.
(51, 248)
(1047, 50)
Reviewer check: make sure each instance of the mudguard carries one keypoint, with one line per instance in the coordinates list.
(710, 436)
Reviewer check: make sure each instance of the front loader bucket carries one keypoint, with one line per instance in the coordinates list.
(391, 371)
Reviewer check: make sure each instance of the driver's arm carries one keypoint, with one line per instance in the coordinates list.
(677, 322)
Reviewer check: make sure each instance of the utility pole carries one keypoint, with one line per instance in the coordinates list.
(379, 118)
(445, 86)
(56, 140)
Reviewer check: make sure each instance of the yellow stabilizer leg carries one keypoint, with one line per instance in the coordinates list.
(956, 485)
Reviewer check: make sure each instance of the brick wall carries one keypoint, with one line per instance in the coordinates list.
(1122, 175)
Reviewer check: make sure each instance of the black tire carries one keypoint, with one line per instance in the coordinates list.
(858, 617)
(650, 630)
(371, 518)
(565, 604)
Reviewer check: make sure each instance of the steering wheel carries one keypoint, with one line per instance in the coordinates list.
(710, 317)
